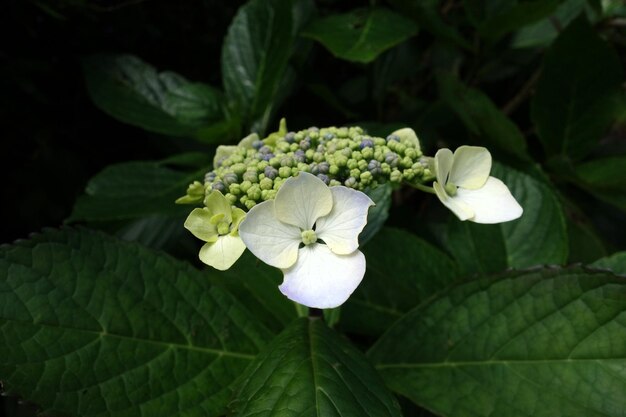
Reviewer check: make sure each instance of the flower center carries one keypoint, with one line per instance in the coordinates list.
(450, 189)
(309, 237)
(223, 228)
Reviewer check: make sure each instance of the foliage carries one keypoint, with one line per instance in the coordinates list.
(111, 314)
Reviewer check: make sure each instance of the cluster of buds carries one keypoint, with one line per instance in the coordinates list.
(254, 170)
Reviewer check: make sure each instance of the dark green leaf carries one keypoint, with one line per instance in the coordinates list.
(93, 326)
(133, 189)
(542, 33)
(309, 370)
(605, 178)
(548, 342)
(615, 262)
(577, 93)
(255, 56)
(426, 14)
(402, 271)
(489, 248)
(361, 35)
(507, 16)
(164, 102)
(481, 117)
(377, 215)
(255, 284)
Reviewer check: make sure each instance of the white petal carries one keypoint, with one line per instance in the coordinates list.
(223, 253)
(443, 163)
(341, 228)
(462, 210)
(493, 203)
(302, 200)
(321, 279)
(272, 241)
(471, 167)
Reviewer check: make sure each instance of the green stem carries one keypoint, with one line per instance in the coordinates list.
(424, 188)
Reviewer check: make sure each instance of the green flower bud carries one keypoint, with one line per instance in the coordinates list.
(284, 172)
(314, 134)
(266, 184)
(340, 161)
(366, 177)
(278, 181)
(245, 186)
(400, 147)
(352, 164)
(318, 157)
(334, 183)
(342, 133)
(234, 189)
(362, 165)
(232, 199)
(395, 176)
(367, 153)
(347, 152)
(299, 136)
(408, 174)
(379, 141)
(250, 176)
(239, 168)
(261, 165)
(282, 147)
(355, 173)
(309, 154)
(236, 159)
(249, 204)
(275, 162)
(333, 169)
(386, 168)
(223, 228)
(410, 153)
(268, 194)
(357, 155)
(406, 162)
(303, 167)
(294, 147)
(254, 192)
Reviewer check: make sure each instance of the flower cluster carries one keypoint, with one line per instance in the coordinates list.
(303, 193)
(255, 169)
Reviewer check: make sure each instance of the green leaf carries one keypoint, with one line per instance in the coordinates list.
(309, 370)
(93, 326)
(495, 19)
(255, 56)
(134, 92)
(377, 215)
(542, 33)
(133, 189)
(255, 284)
(426, 14)
(481, 117)
(605, 178)
(547, 342)
(577, 93)
(402, 271)
(362, 34)
(615, 262)
(489, 248)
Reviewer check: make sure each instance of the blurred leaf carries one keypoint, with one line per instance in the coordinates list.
(402, 271)
(133, 189)
(426, 14)
(577, 92)
(378, 214)
(481, 116)
(134, 92)
(256, 53)
(584, 243)
(255, 284)
(495, 19)
(605, 178)
(615, 262)
(94, 326)
(483, 248)
(547, 342)
(542, 33)
(362, 34)
(309, 371)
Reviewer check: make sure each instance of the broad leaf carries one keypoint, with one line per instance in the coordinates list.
(362, 34)
(310, 371)
(489, 248)
(255, 56)
(427, 15)
(605, 178)
(577, 93)
(255, 284)
(615, 262)
(495, 19)
(546, 342)
(134, 92)
(542, 33)
(402, 271)
(378, 214)
(93, 326)
(133, 189)
(481, 117)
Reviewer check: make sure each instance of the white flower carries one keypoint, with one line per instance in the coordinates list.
(217, 224)
(465, 187)
(310, 231)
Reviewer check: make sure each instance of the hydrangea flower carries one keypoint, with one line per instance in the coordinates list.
(465, 187)
(310, 232)
(217, 224)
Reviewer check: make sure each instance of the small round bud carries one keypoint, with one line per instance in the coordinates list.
(270, 172)
(284, 172)
(367, 153)
(366, 143)
(238, 168)
(395, 176)
(333, 183)
(350, 182)
(219, 186)
(223, 228)
(352, 164)
(232, 199)
(333, 170)
(250, 176)
(249, 204)
(234, 189)
(266, 184)
(290, 137)
(254, 192)
(362, 165)
(323, 178)
(245, 186)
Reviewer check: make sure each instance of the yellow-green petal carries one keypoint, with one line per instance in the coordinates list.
(223, 253)
(443, 163)
(408, 136)
(216, 203)
(199, 223)
(238, 216)
(470, 167)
